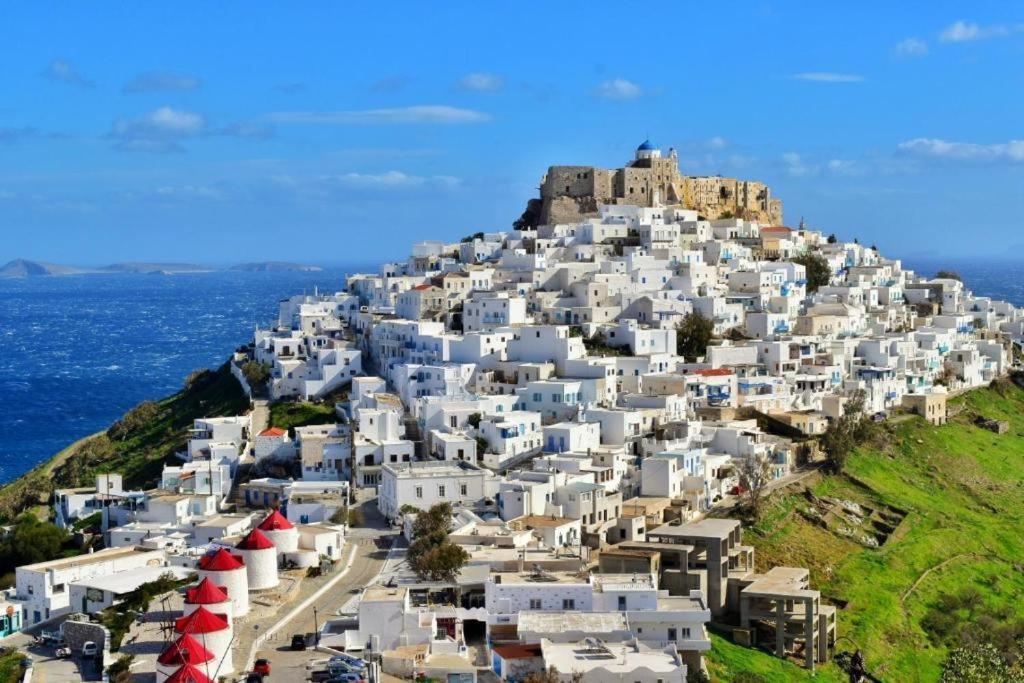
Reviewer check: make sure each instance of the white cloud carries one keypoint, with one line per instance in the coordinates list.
(717, 142)
(842, 167)
(796, 166)
(62, 71)
(619, 89)
(911, 47)
(827, 77)
(933, 148)
(160, 130)
(390, 179)
(165, 128)
(431, 113)
(189, 192)
(481, 82)
(966, 32)
(161, 81)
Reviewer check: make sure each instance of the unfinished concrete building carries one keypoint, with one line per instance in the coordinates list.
(781, 603)
(709, 555)
(715, 549)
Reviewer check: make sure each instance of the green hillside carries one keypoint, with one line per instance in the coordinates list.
(951, 572)
(137, 445)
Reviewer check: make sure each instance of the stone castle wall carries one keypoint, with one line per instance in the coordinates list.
(572, 193)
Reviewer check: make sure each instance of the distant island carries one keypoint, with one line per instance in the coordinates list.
(26, 268)
(267, 266)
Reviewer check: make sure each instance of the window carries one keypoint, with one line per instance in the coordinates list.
(440, 490)
(535, 603)
(568, 603)
(419, 491)
(463, 490)
(622, 604)
(672, 634)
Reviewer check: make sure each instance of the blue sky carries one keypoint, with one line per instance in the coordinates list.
(223, 132)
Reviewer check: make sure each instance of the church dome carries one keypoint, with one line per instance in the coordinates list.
(646, 146)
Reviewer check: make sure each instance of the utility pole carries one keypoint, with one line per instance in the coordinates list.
(316, 629)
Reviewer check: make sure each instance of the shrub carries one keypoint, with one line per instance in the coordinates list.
(693, 334)
(819, 273)
(256, 374)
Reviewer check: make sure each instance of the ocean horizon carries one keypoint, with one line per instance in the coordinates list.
(80, 350)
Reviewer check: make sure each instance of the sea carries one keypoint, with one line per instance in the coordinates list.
(77, 351)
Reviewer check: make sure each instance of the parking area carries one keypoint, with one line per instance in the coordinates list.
(48, 668)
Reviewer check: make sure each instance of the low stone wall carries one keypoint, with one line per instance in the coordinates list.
(78, 633)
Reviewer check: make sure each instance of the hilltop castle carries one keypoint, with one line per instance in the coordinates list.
(570, 193)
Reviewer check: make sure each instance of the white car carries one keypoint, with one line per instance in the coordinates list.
(89, 649)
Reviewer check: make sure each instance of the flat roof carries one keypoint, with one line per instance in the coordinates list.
(566, 621)
(787, 582)
(706, 528)
(617, 658)
(542, 522)
(540, 578)
(385, 594)
(89, 558)
(127, 581)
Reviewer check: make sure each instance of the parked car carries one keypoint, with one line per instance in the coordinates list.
(90, 649)
(340, 667)
(346, 678)
(350, 660)
(298, 641)
(261, 667)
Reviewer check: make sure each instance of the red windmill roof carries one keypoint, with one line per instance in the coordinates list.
(275, 521)
(206, 593)
(185, 650)
(200, 621)
(188, 674)
(220, 561)
(255, 540)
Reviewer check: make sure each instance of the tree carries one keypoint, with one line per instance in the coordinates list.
(431, 555)
(977, 664)
(198, 377)
(29, 542)
(832, 239)
(948, 275)
(550, 675)
(819, 273)
(256, 373)
(693, 334)
(845, 432)
(755, 473)
(135, 419)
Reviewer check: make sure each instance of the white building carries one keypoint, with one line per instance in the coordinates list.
(424, 484)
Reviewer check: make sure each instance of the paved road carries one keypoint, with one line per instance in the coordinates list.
(371, 543)
(47, 668)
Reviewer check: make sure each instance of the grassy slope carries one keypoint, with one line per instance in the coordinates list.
(288, 415)
(963, 490)
(10, 666)
(140, 456)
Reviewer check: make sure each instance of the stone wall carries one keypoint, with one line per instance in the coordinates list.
(572, 193)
